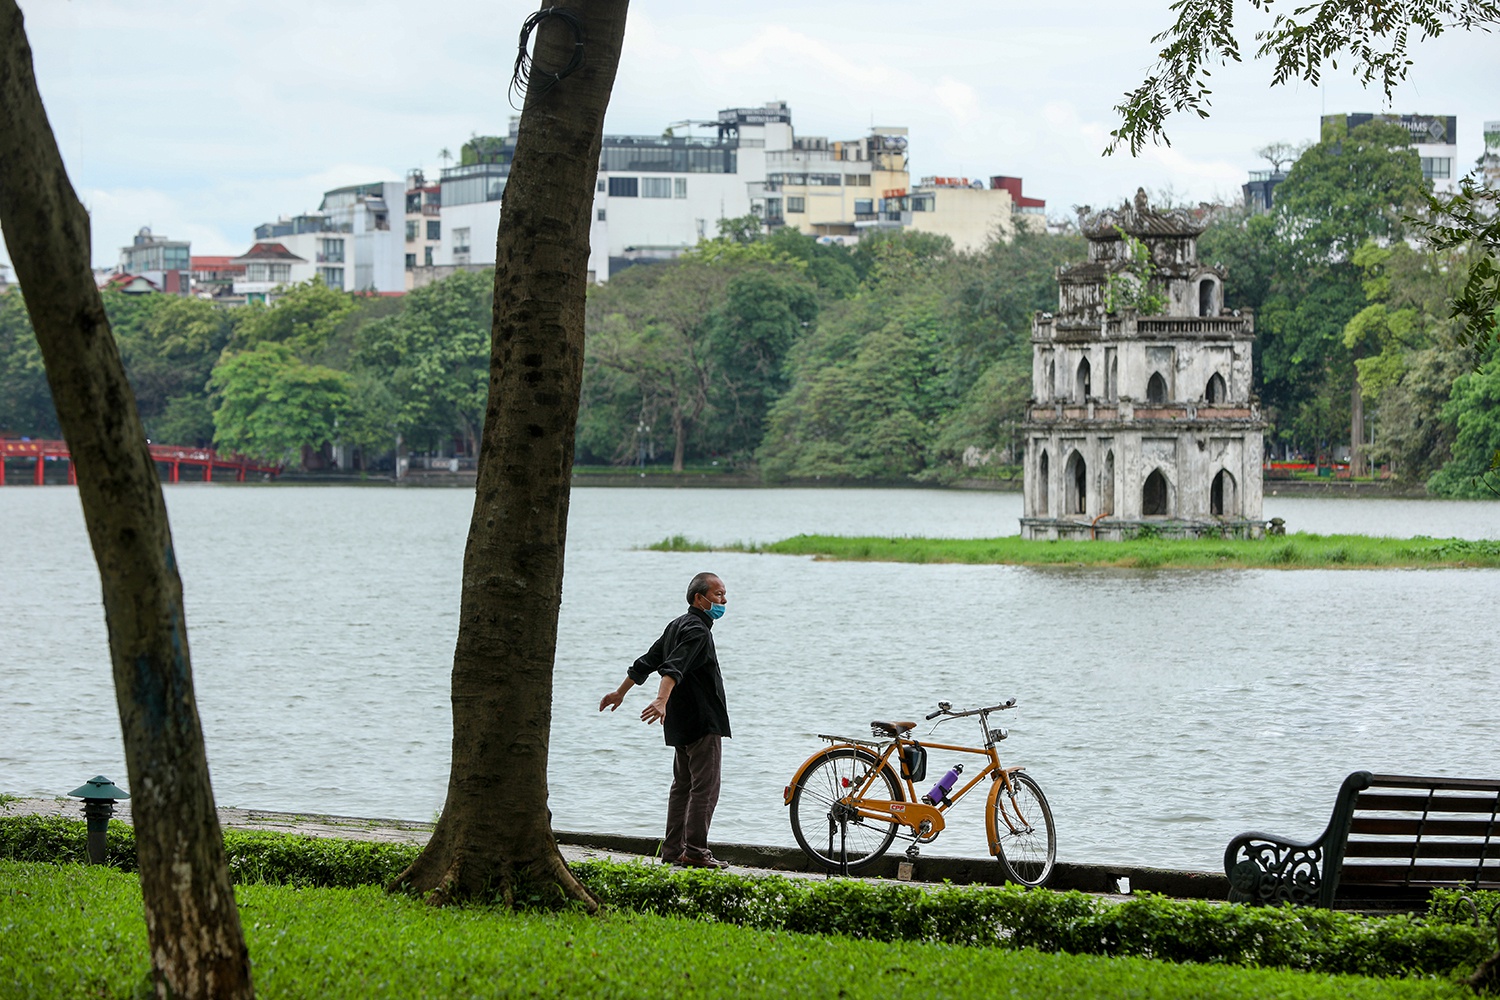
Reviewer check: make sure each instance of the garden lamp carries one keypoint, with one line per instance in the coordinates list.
(98, 795)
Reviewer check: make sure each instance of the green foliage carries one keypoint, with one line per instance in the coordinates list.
(304, 318)
(1474, 411)
(1137, 286)
(272, 404)
(1469, 221)
(1371, 38)
(25, 397)
(362, 944)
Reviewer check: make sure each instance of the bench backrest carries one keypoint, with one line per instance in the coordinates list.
(1409, 834)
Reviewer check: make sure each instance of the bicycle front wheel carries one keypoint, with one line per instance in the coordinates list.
(1023, 827)
(834, 775)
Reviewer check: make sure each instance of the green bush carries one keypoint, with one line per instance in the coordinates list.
(1443, 943)
(278, 858)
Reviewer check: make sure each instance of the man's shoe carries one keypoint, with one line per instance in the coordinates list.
(708, 861)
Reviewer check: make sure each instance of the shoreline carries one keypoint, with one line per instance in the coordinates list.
(1099, 879)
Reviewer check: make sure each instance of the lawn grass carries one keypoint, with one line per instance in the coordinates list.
(72, 931)
(1295, 551)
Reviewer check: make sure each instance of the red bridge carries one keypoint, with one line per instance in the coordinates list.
(201, 463)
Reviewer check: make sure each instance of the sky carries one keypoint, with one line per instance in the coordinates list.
(202, 120)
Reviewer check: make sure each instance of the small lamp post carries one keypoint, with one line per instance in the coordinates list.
(98, 795)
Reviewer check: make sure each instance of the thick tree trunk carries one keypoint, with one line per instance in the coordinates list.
(495, 825)
(193, 927)
(1357, 466)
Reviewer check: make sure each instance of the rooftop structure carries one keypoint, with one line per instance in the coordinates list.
(1142, 416)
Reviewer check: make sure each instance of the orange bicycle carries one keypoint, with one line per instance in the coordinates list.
(847, 805)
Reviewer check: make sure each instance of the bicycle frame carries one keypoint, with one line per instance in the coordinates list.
(927, 821)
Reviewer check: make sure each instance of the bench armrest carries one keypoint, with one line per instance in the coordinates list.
(1263, 868)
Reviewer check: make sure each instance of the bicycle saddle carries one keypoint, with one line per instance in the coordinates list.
(891, 728)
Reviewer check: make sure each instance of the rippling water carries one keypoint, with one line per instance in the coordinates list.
(1162, 711)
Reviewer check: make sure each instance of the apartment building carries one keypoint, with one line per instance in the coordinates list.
(971, 213)
(424, 223)
(825, 188)
(165, 263)
(349, 242)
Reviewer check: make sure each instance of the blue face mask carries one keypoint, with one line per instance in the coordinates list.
(716, 611)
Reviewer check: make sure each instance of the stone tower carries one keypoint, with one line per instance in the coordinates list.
(1142, 417)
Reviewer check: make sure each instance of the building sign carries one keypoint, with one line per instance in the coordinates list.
(1440, 130)
(756, 116)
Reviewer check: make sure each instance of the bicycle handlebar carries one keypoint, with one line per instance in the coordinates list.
(946, 708)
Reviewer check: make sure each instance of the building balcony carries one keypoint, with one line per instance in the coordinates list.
(1126, 411)
(433, 210)
(1128, 326)
(330, 258)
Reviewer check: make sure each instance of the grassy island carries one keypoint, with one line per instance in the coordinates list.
(1295, 551)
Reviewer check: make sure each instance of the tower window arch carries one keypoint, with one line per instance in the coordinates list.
(1222, 498)
(1107, 485)
(1206, 297)
(1083, 386)
(1051, 379)
(1156, 389)
(1043, 475)
(1216, 392)
(1076, 482)
(1155, 495)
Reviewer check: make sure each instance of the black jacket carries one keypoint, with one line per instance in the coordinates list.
(685, 653)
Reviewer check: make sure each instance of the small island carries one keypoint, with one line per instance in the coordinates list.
(1294, 551)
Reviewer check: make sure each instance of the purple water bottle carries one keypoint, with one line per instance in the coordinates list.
(945, 785)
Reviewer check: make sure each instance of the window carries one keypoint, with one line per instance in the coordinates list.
(333, 277)
(1154, 495)
(1206, 297)
(600, 186)
(255, 272)
(1077, 481)
(1221, 500)
(331, 251)
(427, 256)
(1083, 387)
(411, 230)
(434, 229)
(599, 215)
(411, 261)
(679, 187)
(796, 205)
(624, 187)
(864, 206)
(1437, 168)
(668, 159)
(924, 203)
(857, 180)
(656, 187)
(1156, 389)
(1042, 485)
(1107, 486)
(413, 203)
(1217, 392)
(461, 240)
(280, 273)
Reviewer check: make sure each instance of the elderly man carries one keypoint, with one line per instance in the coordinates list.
(690, 706)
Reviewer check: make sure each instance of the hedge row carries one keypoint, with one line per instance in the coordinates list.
(1444, 942)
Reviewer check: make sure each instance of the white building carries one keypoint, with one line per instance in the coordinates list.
(1434, 137)
(269, 266)
(350, 241)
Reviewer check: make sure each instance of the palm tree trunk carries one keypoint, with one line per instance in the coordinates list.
(495, 826)
(192, 924)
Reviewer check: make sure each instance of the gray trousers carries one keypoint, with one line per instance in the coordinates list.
(695, 792)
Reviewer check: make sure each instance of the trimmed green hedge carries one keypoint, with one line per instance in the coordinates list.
(1443, 943)
(279, 858)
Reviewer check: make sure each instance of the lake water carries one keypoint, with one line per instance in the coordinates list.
(1161, 711)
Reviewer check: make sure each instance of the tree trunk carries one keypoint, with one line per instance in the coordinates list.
(495, 825)
(193, 927)
(1356, 432)
(679, 438)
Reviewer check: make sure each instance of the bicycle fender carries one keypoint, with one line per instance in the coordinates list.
(786, 795)
(991, 822)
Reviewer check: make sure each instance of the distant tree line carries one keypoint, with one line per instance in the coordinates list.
(897, 359)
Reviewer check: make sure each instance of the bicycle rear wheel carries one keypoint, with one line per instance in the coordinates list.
(835, 774)
(1023, 824)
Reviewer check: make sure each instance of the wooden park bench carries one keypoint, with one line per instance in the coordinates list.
(1391, 840)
